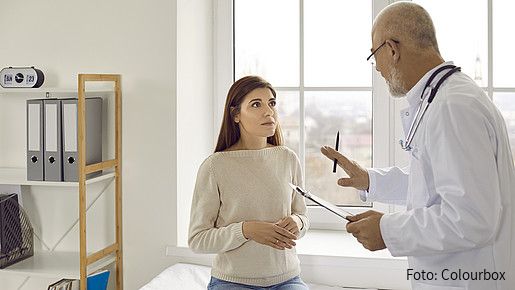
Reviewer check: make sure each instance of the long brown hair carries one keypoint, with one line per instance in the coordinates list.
(230, 130)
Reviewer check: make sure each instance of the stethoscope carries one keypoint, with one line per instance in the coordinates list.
(406, 145)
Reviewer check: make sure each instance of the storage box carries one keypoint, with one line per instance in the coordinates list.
(16, 233)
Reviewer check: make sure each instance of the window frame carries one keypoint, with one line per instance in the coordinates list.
(386, 126)
(383, 121)
(490, 89)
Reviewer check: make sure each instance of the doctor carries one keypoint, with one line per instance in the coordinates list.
(459, 227)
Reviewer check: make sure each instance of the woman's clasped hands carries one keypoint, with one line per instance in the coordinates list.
(279, 235)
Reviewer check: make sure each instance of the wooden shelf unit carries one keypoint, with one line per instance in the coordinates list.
(116, 248)
(77, 265)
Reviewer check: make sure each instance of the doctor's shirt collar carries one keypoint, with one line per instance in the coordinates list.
(413, 96)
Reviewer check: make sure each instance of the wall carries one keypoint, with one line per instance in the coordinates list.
(195, 109)
(136, 39)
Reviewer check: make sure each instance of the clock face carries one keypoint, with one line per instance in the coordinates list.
(21, 77)
(18, 78)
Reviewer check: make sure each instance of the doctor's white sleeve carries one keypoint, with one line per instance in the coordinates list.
(204, 236)
(388, 185)
(460, 144)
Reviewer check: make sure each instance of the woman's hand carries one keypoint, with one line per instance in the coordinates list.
(269, 234)
(290, 224)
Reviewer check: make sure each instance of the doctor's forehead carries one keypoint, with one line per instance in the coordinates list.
(376, 37)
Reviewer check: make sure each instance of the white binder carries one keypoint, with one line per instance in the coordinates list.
(35, 140)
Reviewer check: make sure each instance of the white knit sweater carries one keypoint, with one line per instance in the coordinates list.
(246, 185)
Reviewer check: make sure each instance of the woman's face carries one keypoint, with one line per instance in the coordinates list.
(257, 116)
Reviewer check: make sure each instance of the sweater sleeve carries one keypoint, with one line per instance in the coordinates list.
(204, 236)
(298, 205)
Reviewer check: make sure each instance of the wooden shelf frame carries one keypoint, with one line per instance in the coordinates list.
(116, 248)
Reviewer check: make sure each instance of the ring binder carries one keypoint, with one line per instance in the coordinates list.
(35, 140)
(52, 132)
(70, 136)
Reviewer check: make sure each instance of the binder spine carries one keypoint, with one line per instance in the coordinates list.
(70, 140)
(70, 135)
(35, 140)
(53, 152)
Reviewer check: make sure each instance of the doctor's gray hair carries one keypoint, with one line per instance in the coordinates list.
(407, 22)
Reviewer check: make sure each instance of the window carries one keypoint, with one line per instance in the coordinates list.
(503, 85)
(313, 53)
(470, 52)
(506, 104)
(484, 48)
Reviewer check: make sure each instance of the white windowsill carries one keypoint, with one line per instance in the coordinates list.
(332, 258)
(322, 243)
(337, 244)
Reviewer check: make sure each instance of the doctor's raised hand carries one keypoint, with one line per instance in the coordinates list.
(358, 176)
(365, 226)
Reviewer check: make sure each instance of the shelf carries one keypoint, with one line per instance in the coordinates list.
(55, 265)
(18, 176)
(54, 92)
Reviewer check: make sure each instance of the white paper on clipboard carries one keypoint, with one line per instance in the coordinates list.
(322, 202)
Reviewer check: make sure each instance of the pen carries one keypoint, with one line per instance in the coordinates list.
(336, 148)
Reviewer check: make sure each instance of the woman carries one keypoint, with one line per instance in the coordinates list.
(243, 209)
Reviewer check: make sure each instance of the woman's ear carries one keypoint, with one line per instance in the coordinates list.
(235, 116)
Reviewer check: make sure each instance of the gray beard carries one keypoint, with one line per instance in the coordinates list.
(395, 84)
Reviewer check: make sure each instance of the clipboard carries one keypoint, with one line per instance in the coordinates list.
(322, 202)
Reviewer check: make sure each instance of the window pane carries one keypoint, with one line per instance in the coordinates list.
(326, 113)
(266, 40)
(506, 104)
(462, 37)
(337, 41)
(503, 24)
(289, 118)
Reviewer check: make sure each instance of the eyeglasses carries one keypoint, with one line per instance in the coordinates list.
(371, 58)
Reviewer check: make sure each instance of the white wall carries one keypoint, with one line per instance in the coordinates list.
(195, 111)
(136, 39)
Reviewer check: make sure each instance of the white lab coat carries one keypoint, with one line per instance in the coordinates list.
(459, 190)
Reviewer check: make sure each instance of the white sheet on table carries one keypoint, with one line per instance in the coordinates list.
(192, 277)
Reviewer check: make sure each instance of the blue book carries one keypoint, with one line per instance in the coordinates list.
(98, 281)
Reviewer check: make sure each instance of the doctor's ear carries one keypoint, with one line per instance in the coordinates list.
(393, 46)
